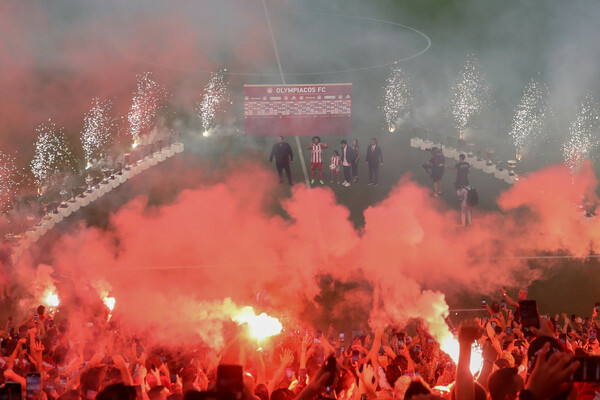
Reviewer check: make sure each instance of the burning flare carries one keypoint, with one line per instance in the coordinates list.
(109, 302)
(50, 299)
(449, 345)
(260, 326)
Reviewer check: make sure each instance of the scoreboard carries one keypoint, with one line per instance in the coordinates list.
(298, 110)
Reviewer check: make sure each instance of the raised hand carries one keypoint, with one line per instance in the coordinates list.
(287, 358)
(306, 342)
(469, 331)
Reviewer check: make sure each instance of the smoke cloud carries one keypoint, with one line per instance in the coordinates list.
(170, 267)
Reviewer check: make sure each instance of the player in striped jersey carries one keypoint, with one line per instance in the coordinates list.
(336, 161)
(316, 160)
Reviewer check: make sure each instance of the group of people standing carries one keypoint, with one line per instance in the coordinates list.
(467, 195)
(346, 159)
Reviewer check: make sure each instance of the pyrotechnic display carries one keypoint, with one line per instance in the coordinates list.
(144, 106)
(213, 99)
(98, 128)
(584, 136)
(398, 99)
(284, 200)
(469, 95)
(530, 117)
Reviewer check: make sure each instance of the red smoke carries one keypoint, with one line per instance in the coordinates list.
(54, 63)
(221, 240)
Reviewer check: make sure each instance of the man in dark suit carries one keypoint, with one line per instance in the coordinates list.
(374, 158)
(283, 158)
(348, 156)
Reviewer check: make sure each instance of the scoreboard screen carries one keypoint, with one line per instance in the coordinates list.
(298, 110)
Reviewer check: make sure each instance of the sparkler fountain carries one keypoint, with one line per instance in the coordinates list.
(398, 99)
(470, 95)
(583, 136)
(214, 97)
(529, 121)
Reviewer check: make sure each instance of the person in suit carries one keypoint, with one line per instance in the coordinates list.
(283, 158)
(355, 164)
(374, 159)
(348, 156)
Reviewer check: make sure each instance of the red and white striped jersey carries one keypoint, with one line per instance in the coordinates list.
(336, 161)
(317, 150)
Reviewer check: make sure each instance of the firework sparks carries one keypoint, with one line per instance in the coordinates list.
(215, 95)
(52, 153)
(583, 135)
(398, 99)
(146, 102)
(97, 129)
(470, 94)
(529, 121)
(8, 181)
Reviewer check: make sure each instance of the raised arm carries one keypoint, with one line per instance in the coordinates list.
(468, 332)
(508, 298)
(286, 359)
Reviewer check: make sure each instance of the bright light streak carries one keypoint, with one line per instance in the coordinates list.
(51, 299)
(260, 326)
(109, 302)
(449, 345)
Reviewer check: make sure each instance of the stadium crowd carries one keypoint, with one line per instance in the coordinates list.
(47, 357)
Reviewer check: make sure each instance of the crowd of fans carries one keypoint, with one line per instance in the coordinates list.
(100, 360)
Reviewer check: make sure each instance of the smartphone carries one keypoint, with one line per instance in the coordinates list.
(342, 337)
(508, 330)
(401, 344)
(518, 343)
(355, 356)
(597, 306)
(502, 304)
(34, 385)
(589, 369)
(289, 373)
(331, 367)
(563, 338)
(429, 340)
(418, 348)
(317, 340)
(230, 379)
(483, 303)
(36, 318)
(63, 380)
(13, 390)
(592, 334)
(545, 315)
(529, 314)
